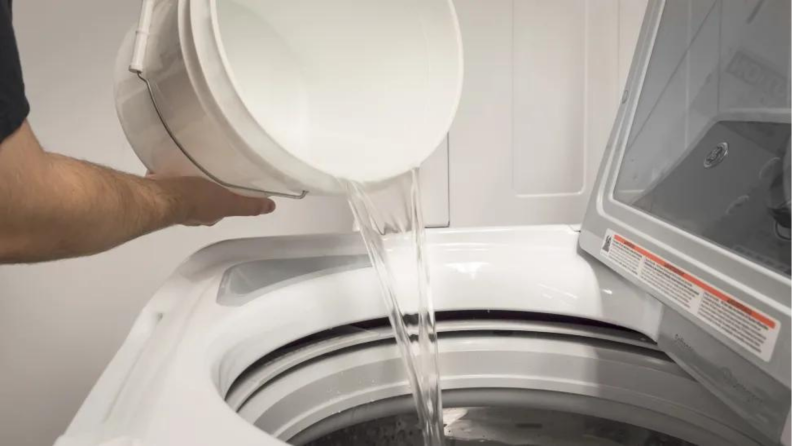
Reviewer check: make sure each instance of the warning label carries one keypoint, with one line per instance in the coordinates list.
(755, 331)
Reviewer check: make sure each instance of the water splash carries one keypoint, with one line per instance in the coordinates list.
(391, 223)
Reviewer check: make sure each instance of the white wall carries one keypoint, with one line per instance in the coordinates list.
(60, 323)
(543, 81)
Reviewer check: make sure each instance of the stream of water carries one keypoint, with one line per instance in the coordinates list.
(391, 223)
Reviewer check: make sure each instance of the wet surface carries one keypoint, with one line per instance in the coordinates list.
(484, 426)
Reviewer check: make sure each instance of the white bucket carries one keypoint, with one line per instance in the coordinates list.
(284, 95)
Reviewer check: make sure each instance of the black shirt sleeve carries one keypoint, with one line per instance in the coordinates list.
(14, 106)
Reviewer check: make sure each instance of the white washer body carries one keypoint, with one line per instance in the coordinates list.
(166, 384)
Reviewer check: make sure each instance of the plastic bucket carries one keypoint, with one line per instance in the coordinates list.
(284, 96)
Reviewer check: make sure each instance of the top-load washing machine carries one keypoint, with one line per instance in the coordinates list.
(664, 319)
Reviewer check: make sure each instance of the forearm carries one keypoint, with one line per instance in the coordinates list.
(54, 207)
(71, 208)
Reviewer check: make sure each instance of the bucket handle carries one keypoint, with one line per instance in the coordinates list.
(136, 67)
(295, 196)
(141, 36)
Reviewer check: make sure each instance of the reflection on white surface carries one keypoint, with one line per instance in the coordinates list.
(468, 268)
(556, 293)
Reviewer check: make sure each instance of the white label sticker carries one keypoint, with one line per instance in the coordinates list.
(752, 329)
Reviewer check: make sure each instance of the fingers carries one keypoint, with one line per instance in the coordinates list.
(247, 206)
(206, 203)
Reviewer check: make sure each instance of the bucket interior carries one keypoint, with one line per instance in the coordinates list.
(359, 89)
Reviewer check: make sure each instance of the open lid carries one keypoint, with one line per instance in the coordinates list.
(692, 199)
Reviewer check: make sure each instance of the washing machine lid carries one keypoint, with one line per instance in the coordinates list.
(692, 199)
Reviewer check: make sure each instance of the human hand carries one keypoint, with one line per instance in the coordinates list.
(200, 202)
